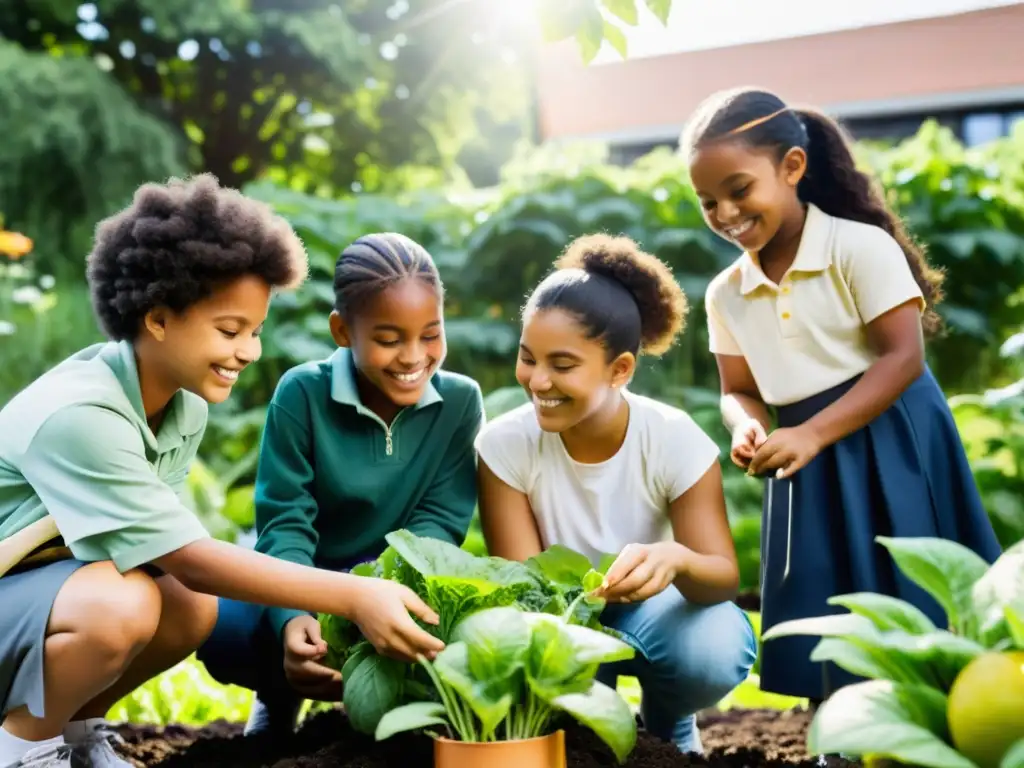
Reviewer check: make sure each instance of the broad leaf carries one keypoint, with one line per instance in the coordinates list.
(552, 668)
(886, 612)
(410, 717)
(624, 9)
(616, 38)
(1014, 757)
(660, 8)
(560, 565)
(862, 660)
(945, 569)
(592, 647)
(361, 651)
(882, 719)
(489, 698)
(940, 656)
(836, 625)
(371, 690)
(1015, 625)
(1001, 587)
(606, 713)
(497, 638)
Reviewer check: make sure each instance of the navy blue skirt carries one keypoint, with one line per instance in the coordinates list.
(903, 475)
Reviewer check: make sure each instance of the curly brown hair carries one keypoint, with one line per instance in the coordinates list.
(620, 294)
(177, 242)
(832, 181)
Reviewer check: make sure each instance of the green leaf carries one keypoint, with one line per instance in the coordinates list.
(1015, 625)
(623, 9)
(938, 656)
(947, 570)
(1014, 757)
(836, 625)
(854, 643)
(498, 639)
(661, 9)
(489, 698)
(606, 713)
(1002, 586)
(560, 565)
(617, 38)
(410, 717)
(590, 646)
(882, 719)
(592, 580)
(550, 660)
(886, 612)
(371, 690)
(860, 659)
(589, 42)
(359, 653)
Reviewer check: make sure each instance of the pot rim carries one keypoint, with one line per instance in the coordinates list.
(498, 743)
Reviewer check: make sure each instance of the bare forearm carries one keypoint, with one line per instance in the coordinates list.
(879, 387)
(218, 568)
(706, 579)
(738, 407)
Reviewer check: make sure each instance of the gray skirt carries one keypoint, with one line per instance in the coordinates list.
(26, 600)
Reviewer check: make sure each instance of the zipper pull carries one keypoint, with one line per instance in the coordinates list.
(388, 446)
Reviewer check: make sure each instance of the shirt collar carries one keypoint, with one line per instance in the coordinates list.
(814, 253)
(345, 391)
(186, 412)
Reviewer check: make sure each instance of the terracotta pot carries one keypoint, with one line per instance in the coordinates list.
(541, 752)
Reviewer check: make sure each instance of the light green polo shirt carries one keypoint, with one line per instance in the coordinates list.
(75, 444)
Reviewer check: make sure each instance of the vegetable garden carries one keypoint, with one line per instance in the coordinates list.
(931, 696)
(524, 642)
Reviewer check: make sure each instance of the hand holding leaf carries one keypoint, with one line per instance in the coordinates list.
(642, 571)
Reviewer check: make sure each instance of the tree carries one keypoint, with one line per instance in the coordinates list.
(327, 93)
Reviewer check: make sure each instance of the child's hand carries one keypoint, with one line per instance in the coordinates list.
(641, 571)
(381, 609)
(787, 450)
(303, 648)
(746, 439)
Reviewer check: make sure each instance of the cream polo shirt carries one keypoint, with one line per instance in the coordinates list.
(808, 333)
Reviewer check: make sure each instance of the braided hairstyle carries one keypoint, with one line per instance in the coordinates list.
(374, 263)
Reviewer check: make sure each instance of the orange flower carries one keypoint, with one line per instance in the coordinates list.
(14, 245)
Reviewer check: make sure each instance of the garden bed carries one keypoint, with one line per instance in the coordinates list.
(733, 739)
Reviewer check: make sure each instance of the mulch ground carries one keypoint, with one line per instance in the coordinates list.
(735, 739)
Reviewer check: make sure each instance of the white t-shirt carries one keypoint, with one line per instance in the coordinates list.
(598, 509)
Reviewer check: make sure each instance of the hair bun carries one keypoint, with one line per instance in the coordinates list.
(660, 299)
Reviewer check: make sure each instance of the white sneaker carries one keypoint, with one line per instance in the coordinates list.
(51, 756)
(96, 749)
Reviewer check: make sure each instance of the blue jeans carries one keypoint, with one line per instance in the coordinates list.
(688, 657)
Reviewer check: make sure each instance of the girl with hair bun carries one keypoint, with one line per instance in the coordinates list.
(589, 465)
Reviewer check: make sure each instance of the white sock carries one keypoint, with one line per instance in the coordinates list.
(77, 730)
(12, 749)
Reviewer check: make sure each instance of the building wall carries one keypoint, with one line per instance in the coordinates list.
(950, 67)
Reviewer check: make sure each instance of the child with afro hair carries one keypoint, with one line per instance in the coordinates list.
(106, 577)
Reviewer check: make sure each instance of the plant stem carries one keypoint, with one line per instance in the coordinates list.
(447, 699)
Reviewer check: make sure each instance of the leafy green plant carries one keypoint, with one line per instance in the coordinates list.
(508, 674)
(900, 711)
(456, 584)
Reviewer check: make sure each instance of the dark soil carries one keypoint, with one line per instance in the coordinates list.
(737, 739)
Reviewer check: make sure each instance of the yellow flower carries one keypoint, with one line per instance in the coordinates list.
(14, 245)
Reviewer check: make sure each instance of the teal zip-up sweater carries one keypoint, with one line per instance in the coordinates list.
(333, 479)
